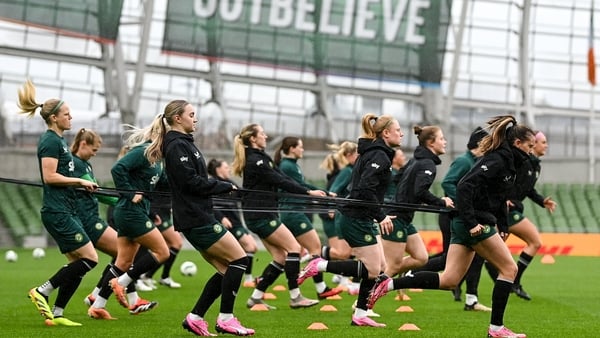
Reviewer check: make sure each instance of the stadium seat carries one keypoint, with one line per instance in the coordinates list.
(561, 224)
(576, 225)
(591, 224)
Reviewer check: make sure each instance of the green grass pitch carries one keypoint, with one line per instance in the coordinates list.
(566, 303)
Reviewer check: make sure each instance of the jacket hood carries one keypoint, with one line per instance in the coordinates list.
(424, 153)
(505, 149)
(510, 154)
(175, 135)
(519, 156)
(365, 144)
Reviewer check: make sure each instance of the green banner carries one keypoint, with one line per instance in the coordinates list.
(383, 39)
(95, 19)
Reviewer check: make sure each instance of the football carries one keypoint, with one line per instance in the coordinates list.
(11, 256)
(38, 253)
(188, 268)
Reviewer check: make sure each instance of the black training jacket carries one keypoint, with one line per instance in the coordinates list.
(527, 175)
(261, 174)
(415, 183)
(191, 188)
(371, 176)
(233, 206)
(486, 186)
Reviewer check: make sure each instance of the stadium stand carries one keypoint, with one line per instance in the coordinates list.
(577, 210)
(20, 210)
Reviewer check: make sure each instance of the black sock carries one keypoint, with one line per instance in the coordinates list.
(435, 263)
(131, 287)
(422, 280)
(325, 252)
(142, 251)
(111, 273)
(363, 292)
(231, 283)
(292, 269)
(522, 264)
(348, 268)
(144, 263)
(212, 291)
(318, 278)
(269, 275)
(72, 276)
(76, 268)
(499, 299)
(473, 275)
(250, 262)
(104, 272)
(150, 273)
(66, 291)
(168, 264)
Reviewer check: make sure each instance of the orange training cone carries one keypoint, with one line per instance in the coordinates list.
(259, 307)
(402, 297)
(547, 259)
(269, 295)
(405, 308)
(317, 326)
(409, 327)
(328, 308)
(279, 288)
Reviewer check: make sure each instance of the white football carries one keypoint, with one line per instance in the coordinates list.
(188, 268)
(11, 256)
(38, 253)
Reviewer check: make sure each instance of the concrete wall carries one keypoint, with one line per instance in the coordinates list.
(22, 164)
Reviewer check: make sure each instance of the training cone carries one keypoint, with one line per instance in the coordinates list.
(409, 327)
(547, 259)
(259, 307)
(405, 308)
(279, 288)
(334, 297)
(317, 326)
(269, 295)
(328, 308)
(402, 297)
(249, 284)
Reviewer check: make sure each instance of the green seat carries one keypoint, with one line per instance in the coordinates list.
(576, 225)
(544, 223)
(591, 224)
(547, 189)
(592, 194)
(20, 212)
(560, 224)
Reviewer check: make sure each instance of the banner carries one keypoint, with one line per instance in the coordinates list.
(384, 39)
(94, 19)
(553, 244)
